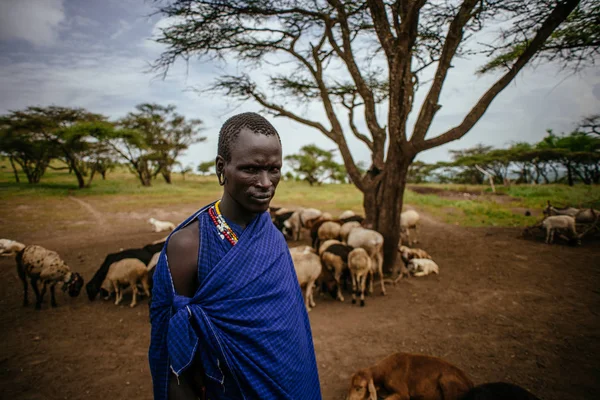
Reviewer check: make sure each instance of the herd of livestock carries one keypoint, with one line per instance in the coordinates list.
(342, 250)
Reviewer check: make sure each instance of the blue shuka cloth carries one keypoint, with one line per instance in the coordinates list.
(252, 331)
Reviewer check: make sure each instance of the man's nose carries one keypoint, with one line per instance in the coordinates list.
(263, 180)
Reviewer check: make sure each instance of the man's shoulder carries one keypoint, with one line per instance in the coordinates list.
(185, 238)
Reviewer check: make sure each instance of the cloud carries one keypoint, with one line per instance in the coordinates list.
(124, 26)
(34, 21)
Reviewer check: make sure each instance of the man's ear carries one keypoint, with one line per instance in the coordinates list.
(372, 391)
(219, 165)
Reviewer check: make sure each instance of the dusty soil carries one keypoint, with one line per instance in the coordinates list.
(502, 309)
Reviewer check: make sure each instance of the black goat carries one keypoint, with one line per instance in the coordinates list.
(143, 254)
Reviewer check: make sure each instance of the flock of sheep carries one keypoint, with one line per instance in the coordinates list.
(343, 249)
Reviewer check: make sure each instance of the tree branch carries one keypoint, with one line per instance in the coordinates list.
(558, 15)
(453, 38)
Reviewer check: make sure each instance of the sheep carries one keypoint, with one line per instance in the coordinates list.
(325, 245)
(359, 264)
(354, 218)
(314, 230)
(555, 222)
(10, 247)
(327, 231)
(108, 288)
(335, 259)
(128, 271)
(346, 228)
(412, 376)
(279, 216)
(160, 226)
(422, 267)
(409, 219)
(45, 266)
(347, 214)
(308, 269)
(498, 391)
(143, 254)
(301, 218)
(372, 242)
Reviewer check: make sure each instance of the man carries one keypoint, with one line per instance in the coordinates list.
(228, 319)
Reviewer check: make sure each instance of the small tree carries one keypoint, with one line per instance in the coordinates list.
(206, 167)
(314, 165)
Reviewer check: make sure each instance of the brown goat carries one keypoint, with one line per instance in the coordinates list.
(410, 376)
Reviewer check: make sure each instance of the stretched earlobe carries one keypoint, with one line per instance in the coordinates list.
(221, 179)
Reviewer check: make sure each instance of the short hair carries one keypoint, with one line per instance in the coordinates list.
(232, 127)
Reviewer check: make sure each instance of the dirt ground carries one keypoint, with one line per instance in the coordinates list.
(502, 309)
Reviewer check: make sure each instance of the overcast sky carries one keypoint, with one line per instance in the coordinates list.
(95, 55)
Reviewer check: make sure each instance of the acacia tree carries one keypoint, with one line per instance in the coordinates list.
(158, 136)
(357, 57)
(314, 165)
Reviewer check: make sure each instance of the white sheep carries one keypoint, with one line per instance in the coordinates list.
(409, 219)
(360, 266)
(328, 230)
(160, 226)
(347, 214)
(346, 228)
(422, 267)
(372, 242)
(301, 218)
(585, 215)
(45, 266)
(556, 222)
(127, 271)
(10, 247)
(308, 268)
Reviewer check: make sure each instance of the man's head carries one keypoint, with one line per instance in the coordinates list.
(249, 161)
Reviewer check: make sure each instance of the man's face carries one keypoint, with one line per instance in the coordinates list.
(254, 170)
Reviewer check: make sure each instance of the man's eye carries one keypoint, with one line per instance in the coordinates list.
(250, 169)
(275, 170)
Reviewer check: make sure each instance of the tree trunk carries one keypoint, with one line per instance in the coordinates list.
(144, 175)
(12, 164)
(89, 182)
(383, 206)
(166, 174)
(103, 173)
(569, 174)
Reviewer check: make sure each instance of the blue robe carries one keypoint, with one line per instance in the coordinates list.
(252, 331)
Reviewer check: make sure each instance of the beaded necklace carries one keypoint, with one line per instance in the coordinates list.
(225, 232)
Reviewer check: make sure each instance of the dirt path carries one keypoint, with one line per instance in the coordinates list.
(502, 308)
(98, 217)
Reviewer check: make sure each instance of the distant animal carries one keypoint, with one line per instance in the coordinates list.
(408, 253)
(360, 266)
(581, 215)
(347, 214)
(46, 267)
(160, 226)
(301, 218)
(422, 267)
(372, 242)
(10, 247)
(410, 376)
(498, 391)
(528, 213)
(335, 259)
(410, 219)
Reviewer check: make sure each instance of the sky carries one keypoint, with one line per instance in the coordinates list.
(97, 55)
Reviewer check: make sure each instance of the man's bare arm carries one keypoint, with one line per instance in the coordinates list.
(182, 254)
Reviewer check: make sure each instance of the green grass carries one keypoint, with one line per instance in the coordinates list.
(123, 192)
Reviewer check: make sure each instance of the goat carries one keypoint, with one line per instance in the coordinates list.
(280, 216)
(586, 215)
(372, 242)
(562, 222)
(411, 376)
(10, 247)
(422, 267)
(308, 269)
(327, 231)
(160, 226)
(127, 271)
(143, 254)
(335, 259)
(410, 219)
(314, 230)
(408, 253)
(498, 391)
(46, 266)
(325, 245)
(354, 218)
